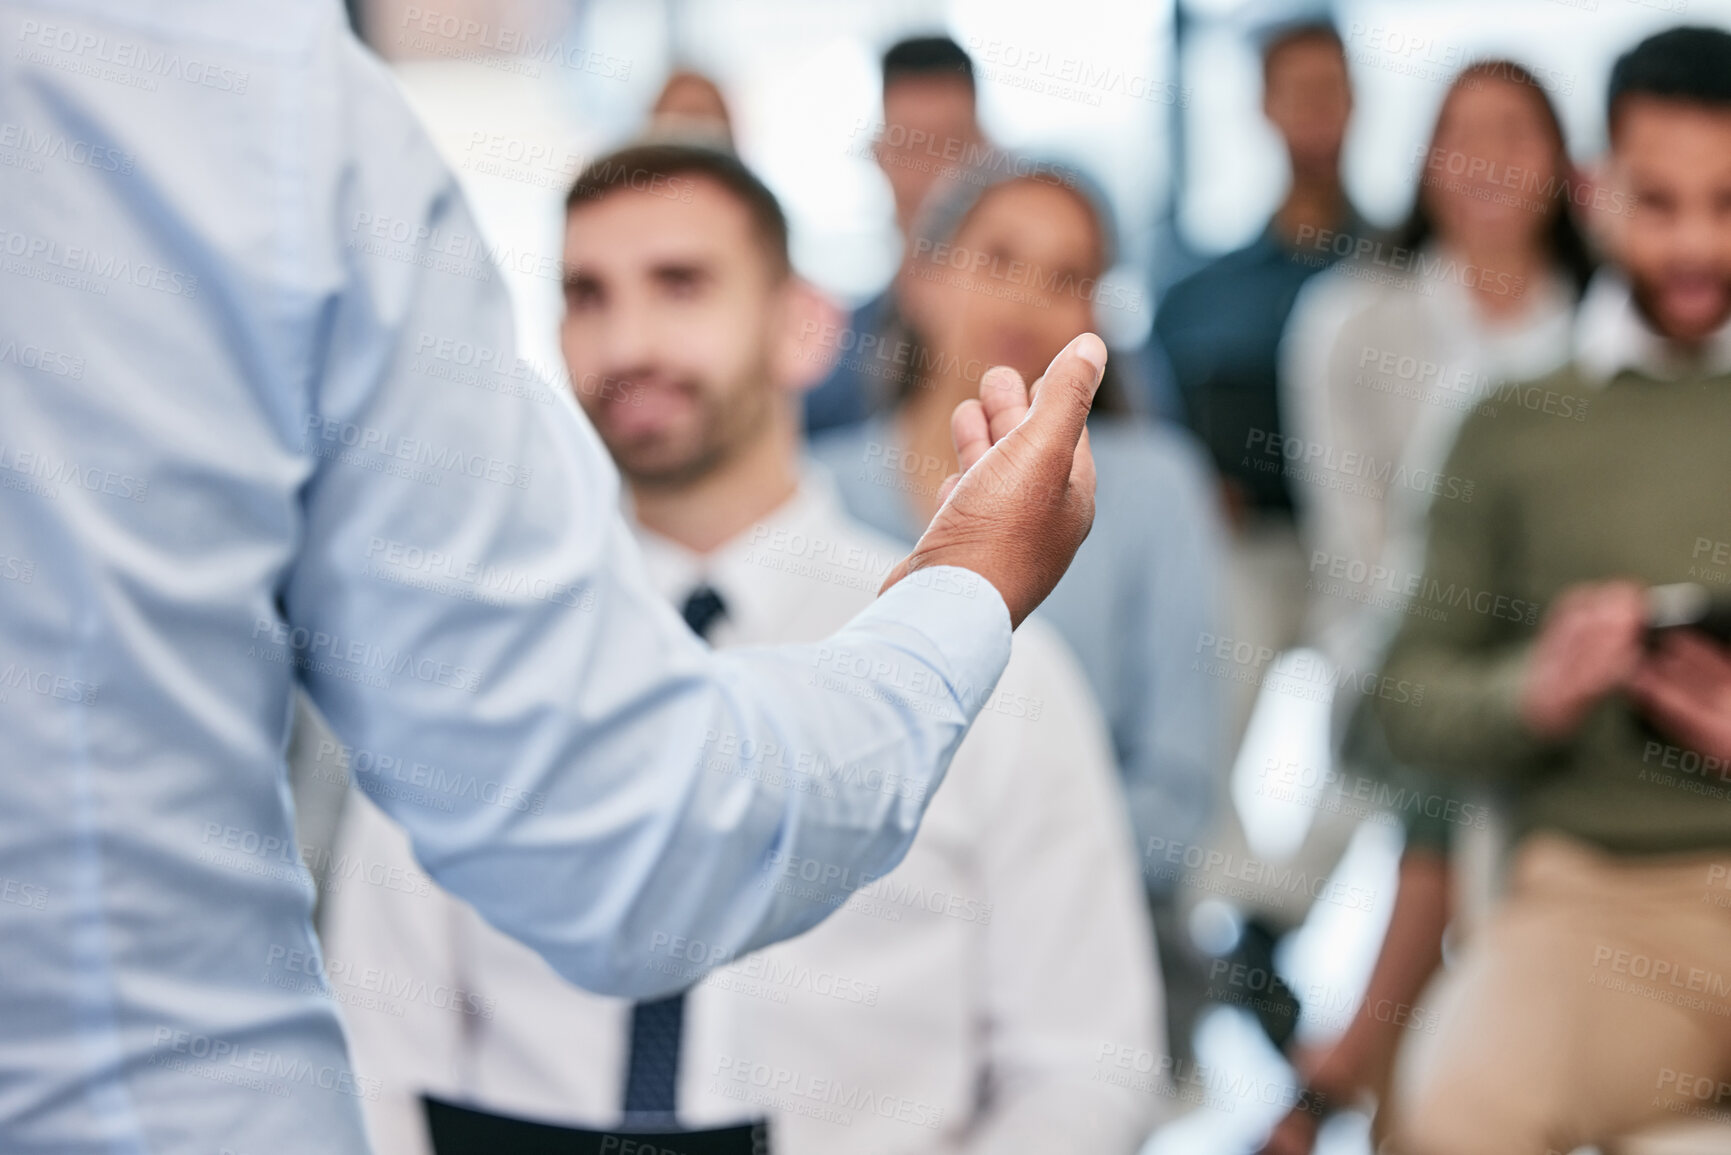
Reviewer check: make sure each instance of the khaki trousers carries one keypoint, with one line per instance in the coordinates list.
(1594, 1003)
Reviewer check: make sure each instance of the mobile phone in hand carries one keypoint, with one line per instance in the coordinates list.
(1688, 606)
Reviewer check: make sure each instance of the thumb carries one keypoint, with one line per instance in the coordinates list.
(1065, 394)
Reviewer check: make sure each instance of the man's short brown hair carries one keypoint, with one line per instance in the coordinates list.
(661, 167)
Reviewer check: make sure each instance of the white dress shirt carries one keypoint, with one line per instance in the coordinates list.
(975, 999)
(261, 422)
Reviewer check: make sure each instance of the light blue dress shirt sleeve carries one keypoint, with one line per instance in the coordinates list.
(472, 543)
(261, 422)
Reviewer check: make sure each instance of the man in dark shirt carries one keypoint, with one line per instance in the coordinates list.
(1221, 328)
(930, 134)
(1221, 325)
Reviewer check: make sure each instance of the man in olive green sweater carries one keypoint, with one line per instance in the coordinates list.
(1598, 1000)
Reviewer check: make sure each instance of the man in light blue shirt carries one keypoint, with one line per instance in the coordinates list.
(235, 277)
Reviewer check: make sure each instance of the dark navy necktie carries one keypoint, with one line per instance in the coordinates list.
(702, 609)
(652, 1072)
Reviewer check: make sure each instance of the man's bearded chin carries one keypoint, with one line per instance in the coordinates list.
(1692, 329)
(668, 456)
(727, 422)
(655, 462)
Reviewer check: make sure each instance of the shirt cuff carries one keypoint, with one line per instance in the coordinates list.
(961, 616)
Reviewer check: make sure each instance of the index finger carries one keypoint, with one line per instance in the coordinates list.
(1694, 655)
(1065, 392)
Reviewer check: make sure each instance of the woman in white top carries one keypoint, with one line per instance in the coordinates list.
(1384, 356)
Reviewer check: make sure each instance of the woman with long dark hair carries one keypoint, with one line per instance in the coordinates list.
(1388, 352)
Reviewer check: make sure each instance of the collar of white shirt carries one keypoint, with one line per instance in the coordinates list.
(1611, 336)
(1531, 345)
(807, 547)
